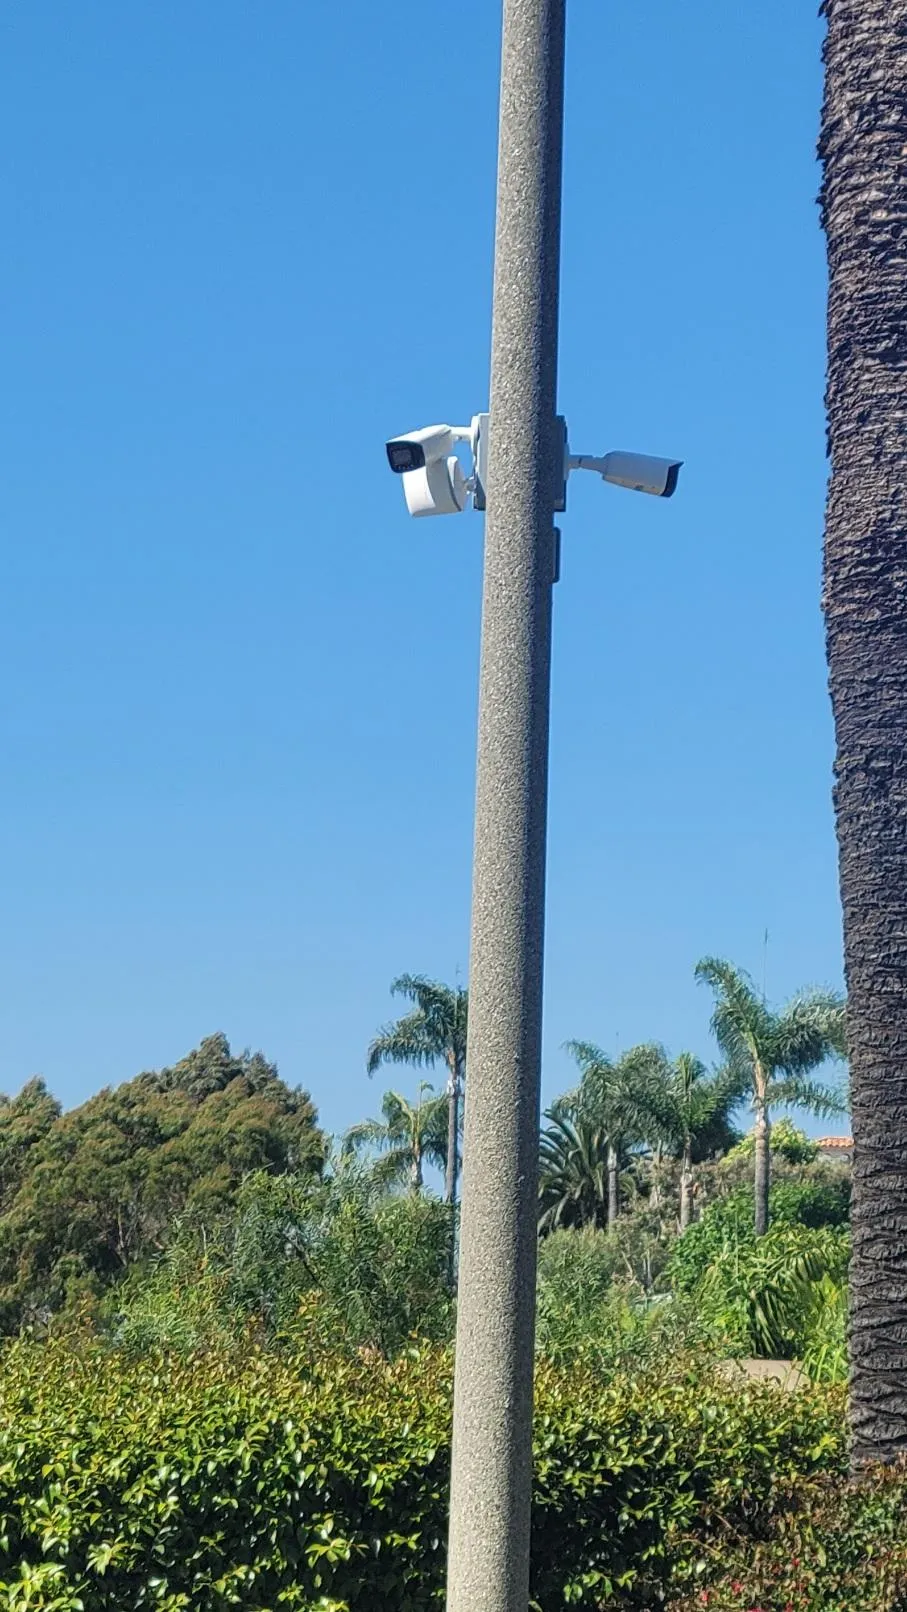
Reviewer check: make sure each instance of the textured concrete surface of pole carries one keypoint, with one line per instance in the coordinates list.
(488, 1567)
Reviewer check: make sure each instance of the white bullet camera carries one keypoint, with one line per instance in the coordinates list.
(434, 481)
(641, 472)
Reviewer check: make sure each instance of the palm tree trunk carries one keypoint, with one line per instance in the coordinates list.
(453, 1136)
(655, 1196)
(763, 1165)
(686, 1186)
(451, 1171)
(415, 1170)
(864, 137)
(613, 1185)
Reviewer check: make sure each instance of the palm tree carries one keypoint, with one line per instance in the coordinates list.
(435, 1032)
(691, 1111)
(574, 1177)
(862, 149)
(611, 1097)
(408, 1135)
(772, 1053)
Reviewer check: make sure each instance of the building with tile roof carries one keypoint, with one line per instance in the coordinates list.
(837, 1149)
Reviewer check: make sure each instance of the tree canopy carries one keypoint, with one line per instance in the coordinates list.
(433, 1032)
(774, 1053)
(86, 1194)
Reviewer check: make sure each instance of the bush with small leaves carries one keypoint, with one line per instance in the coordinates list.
(830, 1547)
(246, 1479)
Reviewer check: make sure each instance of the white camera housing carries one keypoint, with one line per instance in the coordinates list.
(434, 481)
(438, 488)
(415, 449)
(640, 472)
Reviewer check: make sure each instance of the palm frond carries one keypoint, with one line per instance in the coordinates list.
(573, 1175)
(443, 1008)
(587, 1055)
(407, 1130)
(794, 1092)
(682, 1102)
(620, 1097)
(810, 1029)
(740, 1019)
(392, 1168)
(368, 1133)
(434, 1031)
(733, 1084)
(566, 1106)
(407, 1041)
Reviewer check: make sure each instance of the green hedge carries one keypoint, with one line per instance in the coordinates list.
(263, 1483)
(830, 1548)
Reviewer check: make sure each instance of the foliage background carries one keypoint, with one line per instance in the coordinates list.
(255, 1481)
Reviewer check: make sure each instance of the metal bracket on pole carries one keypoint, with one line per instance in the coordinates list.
(480, 437)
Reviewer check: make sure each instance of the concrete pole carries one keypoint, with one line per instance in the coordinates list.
(488, 1564)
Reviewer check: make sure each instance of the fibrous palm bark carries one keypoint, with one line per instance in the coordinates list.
(864, 207)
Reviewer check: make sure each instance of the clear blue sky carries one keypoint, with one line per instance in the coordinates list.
(243, 245)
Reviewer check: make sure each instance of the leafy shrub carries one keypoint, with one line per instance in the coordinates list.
(816, 1200)
(786, 1141)
(764, 1295)
(820, 1199)
(576, 1272)
(178, 1304)
(825, 1345)
(589, 1311)
(725, 1225)
(363, 1268)
(830, 1548)
(825, 1200)
(260, 1482)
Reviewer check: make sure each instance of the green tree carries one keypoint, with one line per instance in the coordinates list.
(573, 1173)
(98, 1188)
(772, 1054)
(333, 1262)
(788, 1142)
(407, 1136)
(434, 1032)
(211, 1067)
(862, 148)
(24, 1122)
(613, 1099)
(690, 1114)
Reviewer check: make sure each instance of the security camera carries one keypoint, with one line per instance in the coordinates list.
(438, 488)
(415, 449)
(434, 481)
(641, 472)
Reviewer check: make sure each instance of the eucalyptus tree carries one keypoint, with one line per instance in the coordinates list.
(863, 144)
(434, 1032)
(772, 1054)
(407, 1136)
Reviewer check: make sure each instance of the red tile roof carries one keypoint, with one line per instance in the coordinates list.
(837, 1142)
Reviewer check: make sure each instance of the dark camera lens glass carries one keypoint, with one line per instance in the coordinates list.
(405, 456)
